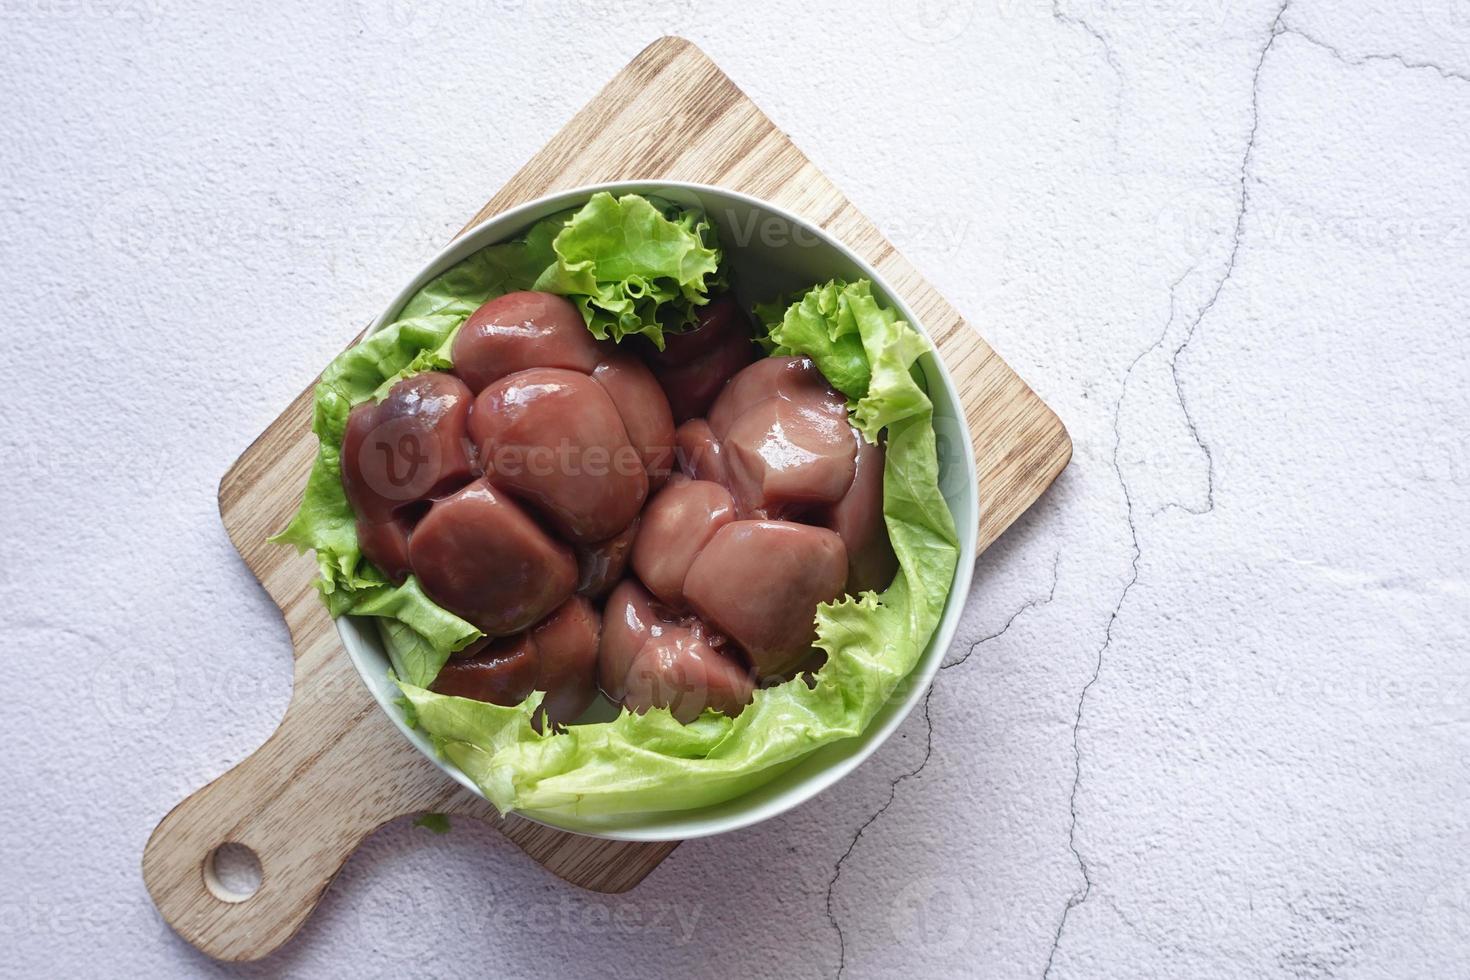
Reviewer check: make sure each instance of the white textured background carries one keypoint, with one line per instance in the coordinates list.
(1214, 718)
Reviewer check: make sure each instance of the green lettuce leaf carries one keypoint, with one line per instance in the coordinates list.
(634, 268)
(419, 634)
(854, 340)
(824, 320)
(597, 773)
(434, 823)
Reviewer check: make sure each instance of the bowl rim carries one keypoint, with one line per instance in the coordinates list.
(686, 825)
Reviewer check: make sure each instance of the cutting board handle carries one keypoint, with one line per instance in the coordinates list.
(333, 772)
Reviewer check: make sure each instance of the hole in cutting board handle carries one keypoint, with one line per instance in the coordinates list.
(232, 872)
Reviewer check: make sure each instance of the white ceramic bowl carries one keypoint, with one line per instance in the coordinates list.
(778, 251)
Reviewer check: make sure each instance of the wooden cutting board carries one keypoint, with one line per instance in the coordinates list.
(337, 768)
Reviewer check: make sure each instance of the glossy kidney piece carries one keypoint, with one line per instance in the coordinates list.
(760, 582)
(858, 520)
(558, 656)
(386, 546)
(784, 444)
(678, 670)
(652, 657)
(523, 330)
(644, 410)
(695, 365)
(699, 453)
(567, 643)
(479, 555)
(408, 448)
(554, 439)
(501, 671)
(601, 565)
(675, 526)
(785, 457)
(628, 619)
(789, 378)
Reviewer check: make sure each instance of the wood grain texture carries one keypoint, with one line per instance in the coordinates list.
(337, 768)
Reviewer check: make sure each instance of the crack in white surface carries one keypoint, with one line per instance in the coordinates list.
(1242, 208)
(1362, 60)
(1077, 898)
(1081, 895)
(1071, 20)
(1025, 607)
(892, 795)
(1179, 397)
